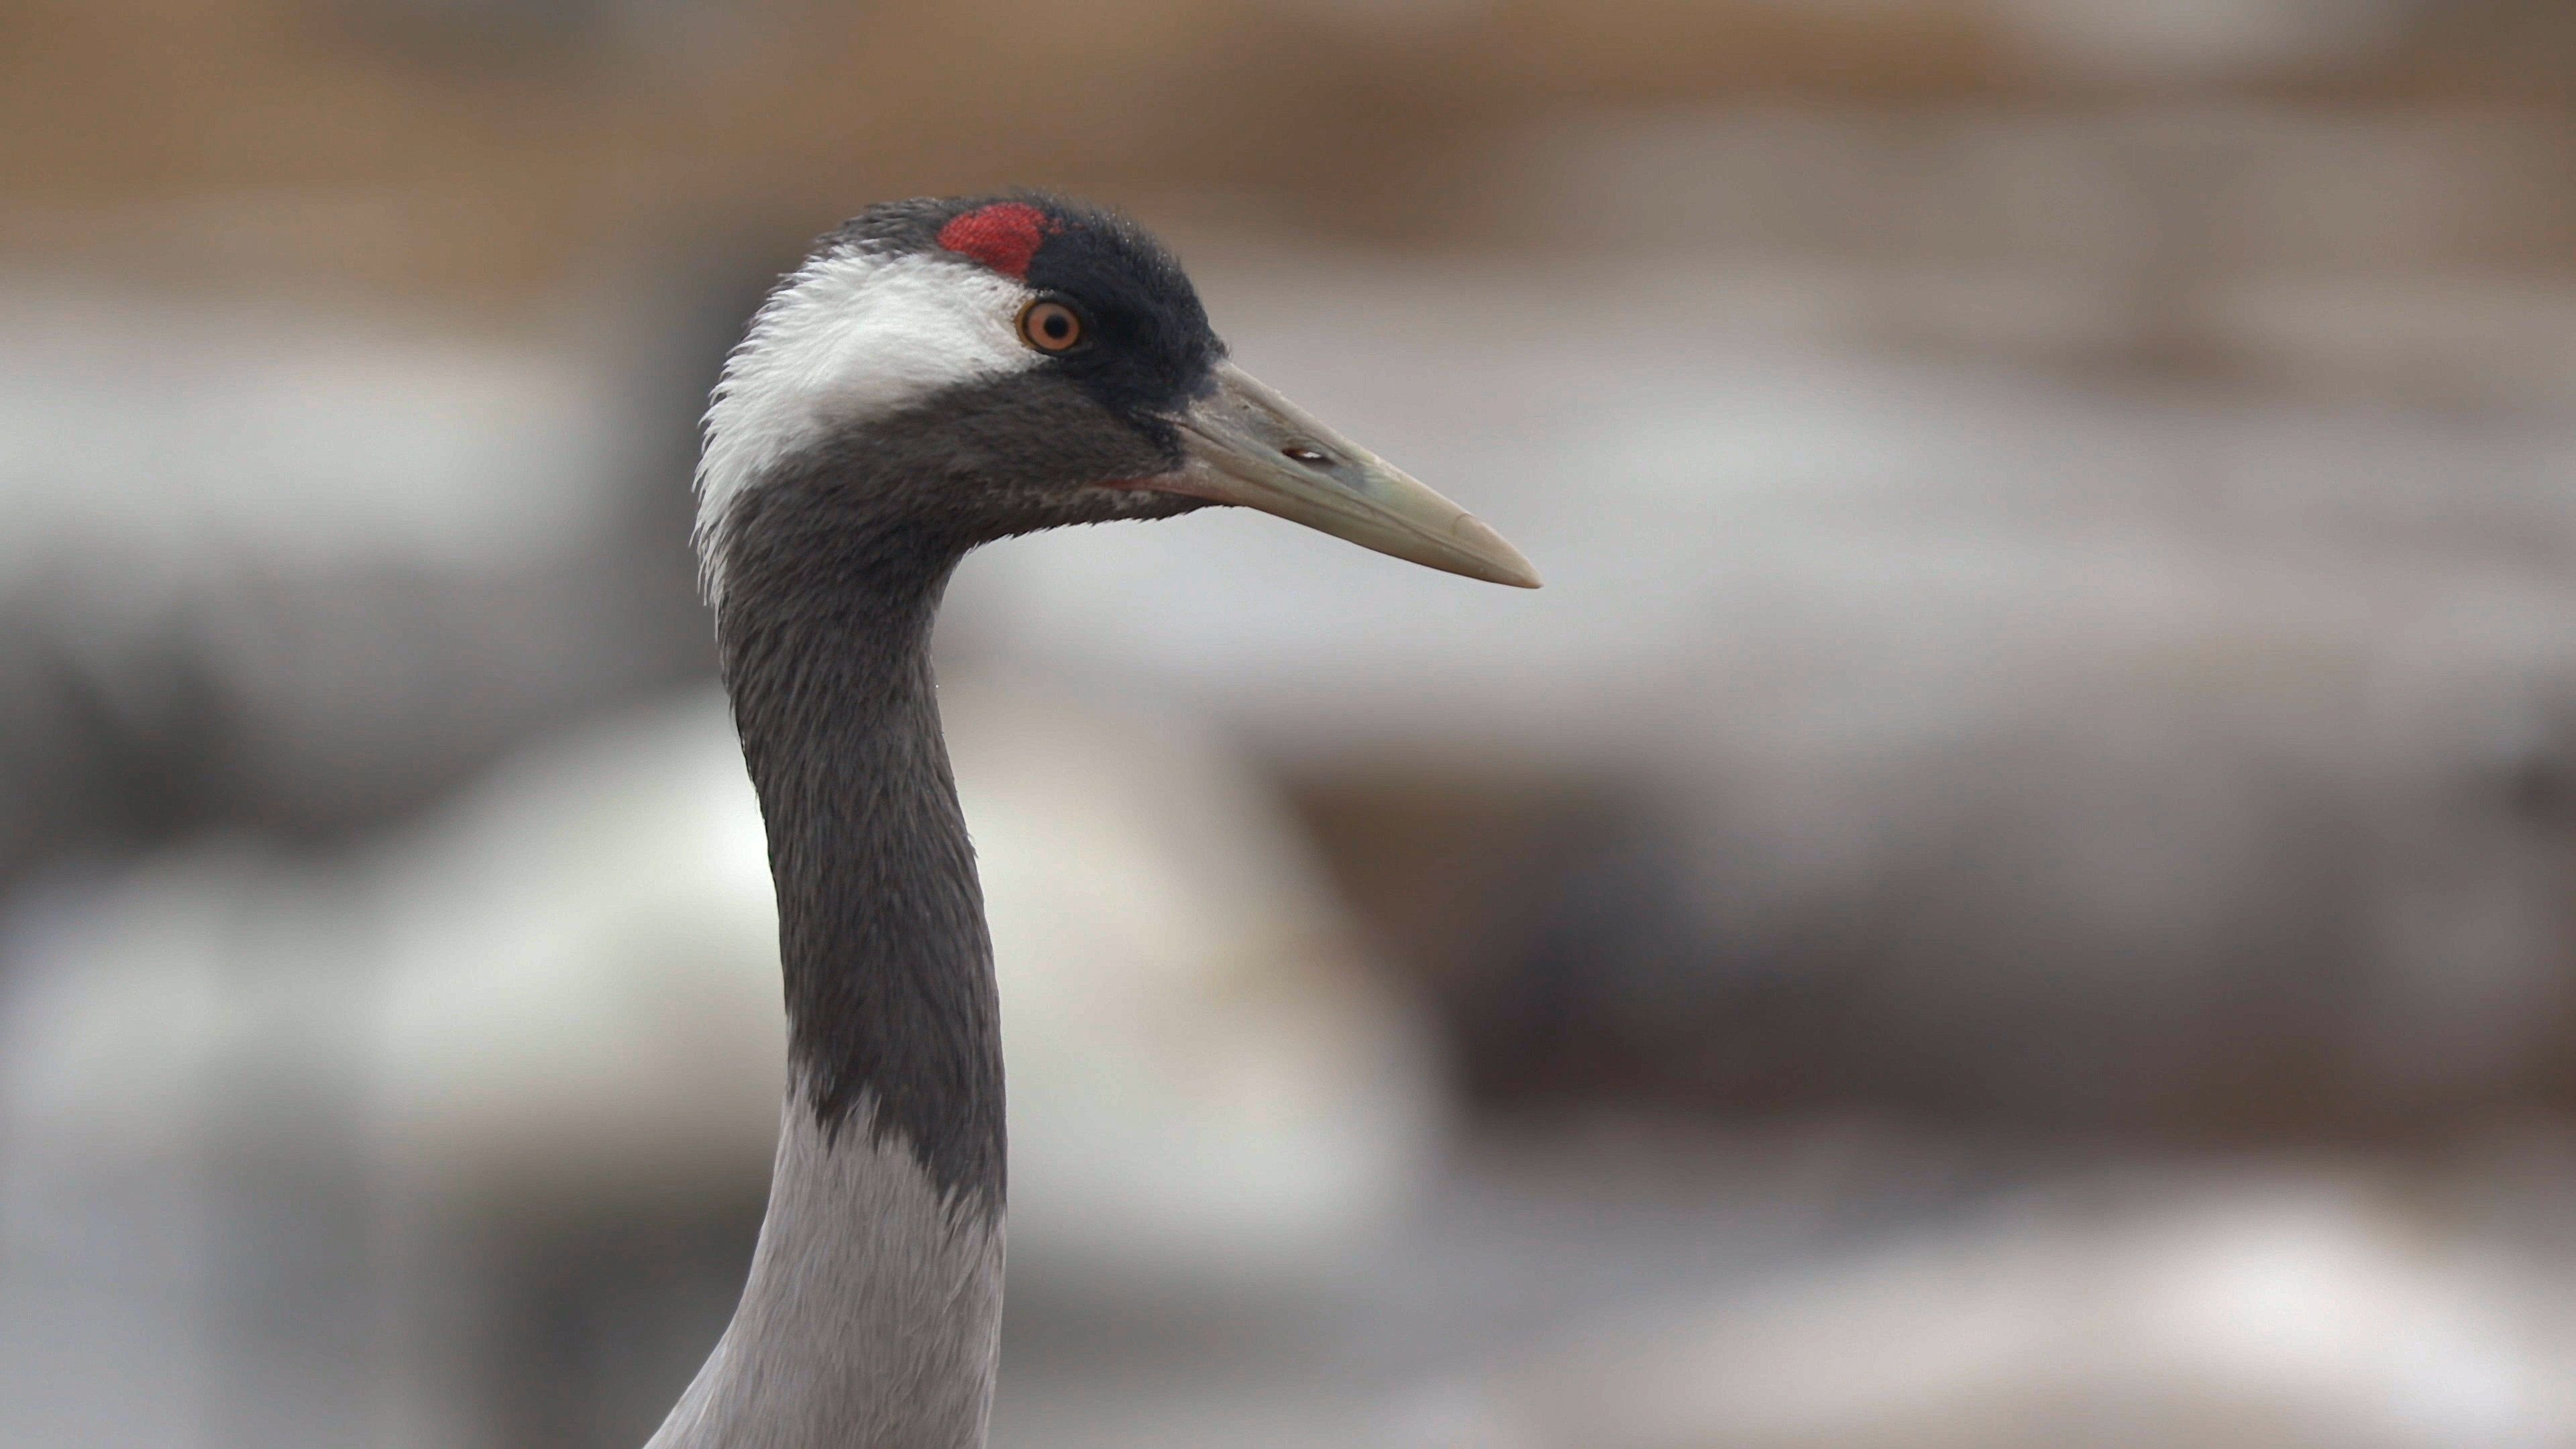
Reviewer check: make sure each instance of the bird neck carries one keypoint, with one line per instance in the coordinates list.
(874, 1299)
(893, 1031)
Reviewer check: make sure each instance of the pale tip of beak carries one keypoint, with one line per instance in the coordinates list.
(1501, 563)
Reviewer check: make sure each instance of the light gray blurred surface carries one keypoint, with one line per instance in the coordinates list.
(1716, 507)
(288, 568)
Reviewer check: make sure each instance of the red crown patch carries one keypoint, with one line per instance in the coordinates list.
(1003, 236)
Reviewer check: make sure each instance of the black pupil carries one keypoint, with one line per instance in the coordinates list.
(1056, 325)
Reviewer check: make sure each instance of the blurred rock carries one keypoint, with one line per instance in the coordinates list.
(2266, 1309)
(2316, 889)
(279, 570)
(1214, 1085)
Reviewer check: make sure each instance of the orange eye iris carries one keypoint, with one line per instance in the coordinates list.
(1050, 326)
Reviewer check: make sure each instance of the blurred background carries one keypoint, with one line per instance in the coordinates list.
(2014, 889)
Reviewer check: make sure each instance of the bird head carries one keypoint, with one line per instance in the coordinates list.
(955, 371)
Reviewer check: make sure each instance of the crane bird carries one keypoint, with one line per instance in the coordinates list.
(937, 375)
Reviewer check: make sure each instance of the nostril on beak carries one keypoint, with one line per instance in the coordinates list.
(1303, 455)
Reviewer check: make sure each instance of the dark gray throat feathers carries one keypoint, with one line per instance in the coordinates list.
(824, 631)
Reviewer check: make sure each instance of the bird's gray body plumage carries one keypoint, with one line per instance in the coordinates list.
(872, 1311)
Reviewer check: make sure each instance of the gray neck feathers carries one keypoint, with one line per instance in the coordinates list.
(875, 1294)
(889, 968)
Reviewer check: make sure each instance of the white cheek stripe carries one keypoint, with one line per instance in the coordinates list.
(851, 336)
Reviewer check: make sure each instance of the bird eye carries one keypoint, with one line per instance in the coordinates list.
(1050, 326)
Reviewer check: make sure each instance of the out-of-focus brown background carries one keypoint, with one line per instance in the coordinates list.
(2014, 890)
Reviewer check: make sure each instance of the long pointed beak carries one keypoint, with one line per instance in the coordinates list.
(1248, 445)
